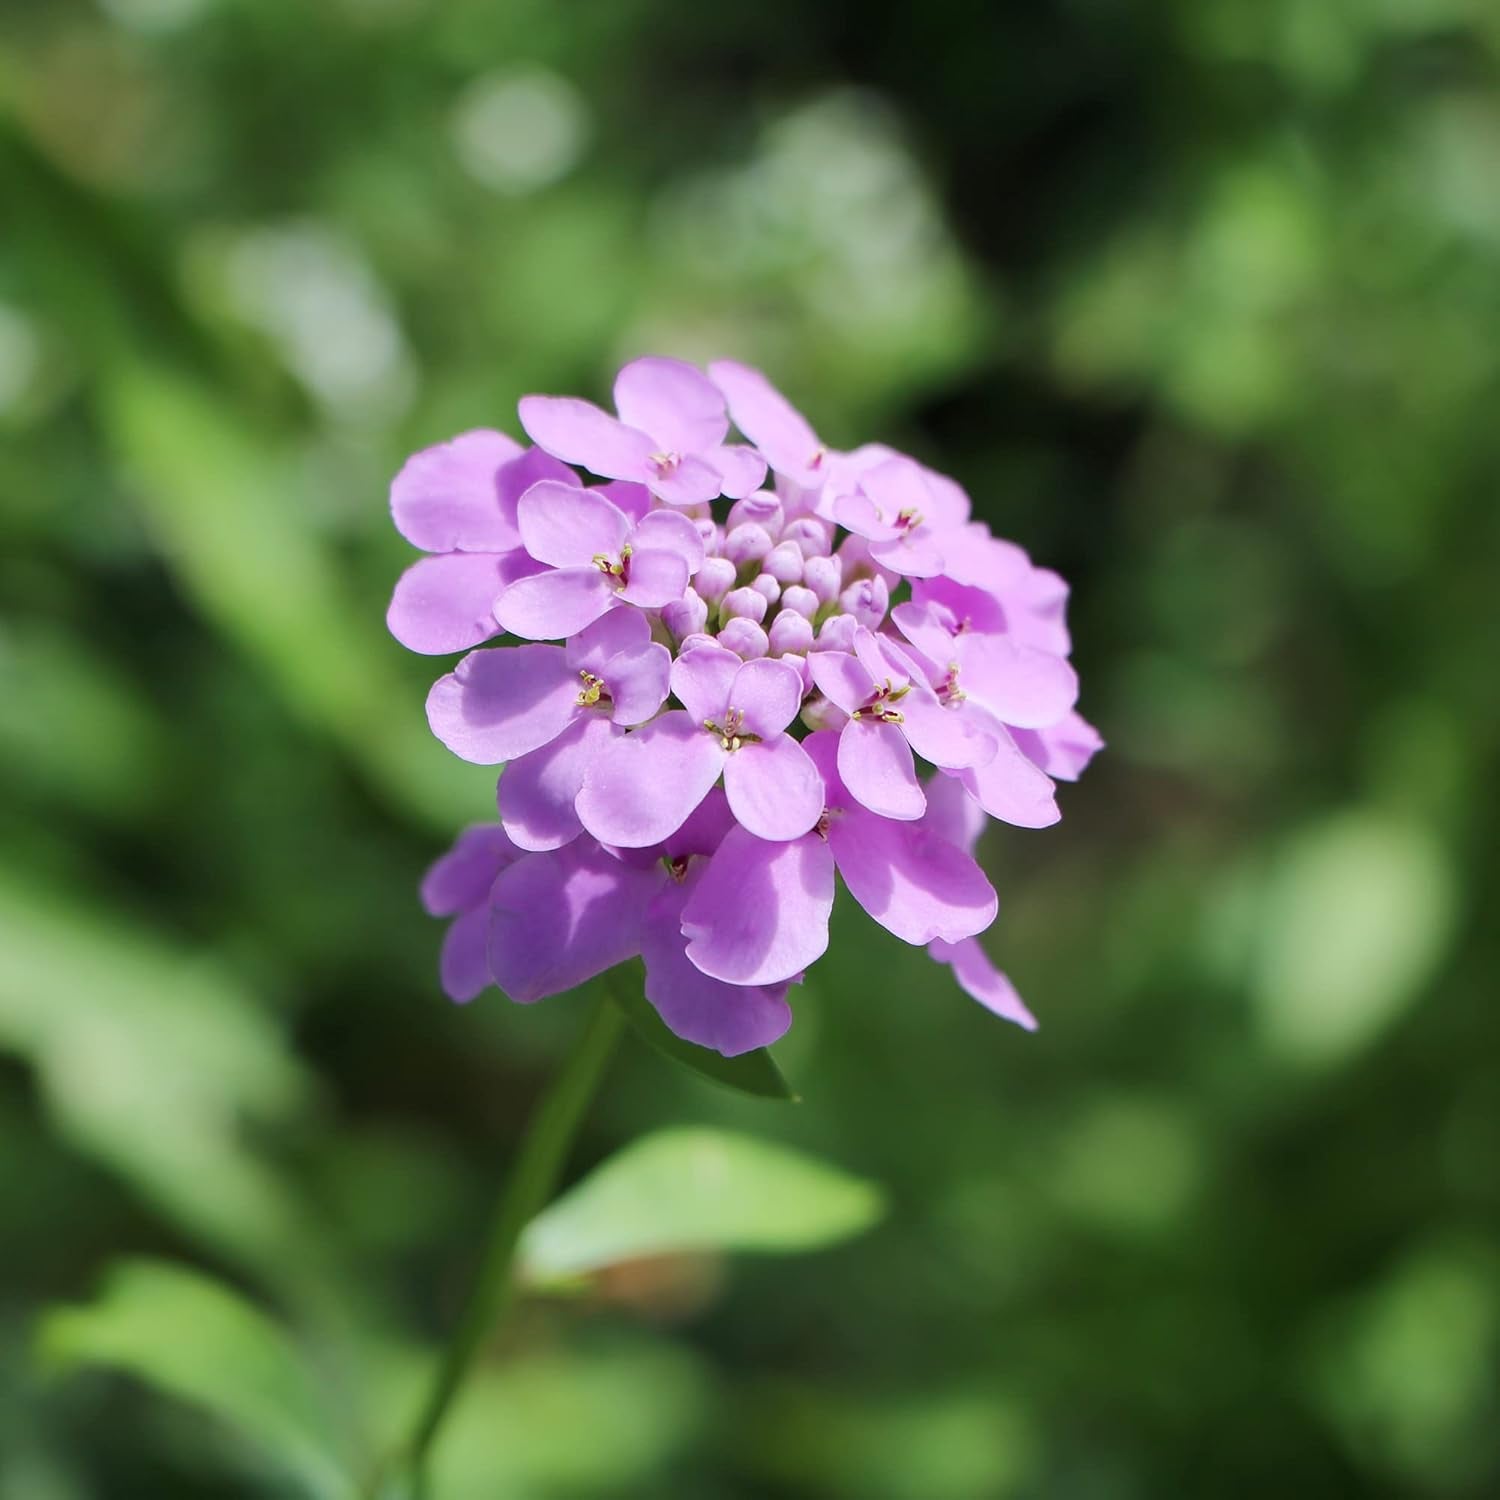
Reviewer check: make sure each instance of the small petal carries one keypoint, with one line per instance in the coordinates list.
(876, 766)
(946, 736)
(498, 704)
(670, 531)
(914, 554)
(953, 813)
(641, 788)
(841, 679)
(860, 514)
(759, 914)
(1063, 749)
(911, 879)
(767, 694)
(445, 603)
(559, 919)
(741, 470)
(1018, 684)
(637, 681)
(447, 498)
(770, 421)
(687, 482)
(674, 402)
(978, 977)
(774, 789)
(609, 635)
(579, 433)
(654, 579)
(462, 878)
(1010, 787)
(551, 606)
(701, 679)
(568, 528)
(464, 967)
(634, 499)
(537, 792)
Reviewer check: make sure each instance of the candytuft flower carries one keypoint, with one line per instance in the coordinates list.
(840, 677)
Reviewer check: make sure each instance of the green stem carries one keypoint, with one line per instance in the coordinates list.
(544, 1150)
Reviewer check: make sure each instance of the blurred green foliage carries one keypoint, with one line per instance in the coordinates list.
(1199, 299)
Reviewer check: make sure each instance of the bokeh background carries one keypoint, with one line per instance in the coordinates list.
(1199, 298)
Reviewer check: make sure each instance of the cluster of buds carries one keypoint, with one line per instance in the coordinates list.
(739, 669)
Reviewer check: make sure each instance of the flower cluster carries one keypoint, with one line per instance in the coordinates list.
(739, 701)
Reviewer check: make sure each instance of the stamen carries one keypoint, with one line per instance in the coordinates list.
(592, 691)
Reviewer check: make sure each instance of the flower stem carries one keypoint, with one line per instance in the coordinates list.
(544, 1150)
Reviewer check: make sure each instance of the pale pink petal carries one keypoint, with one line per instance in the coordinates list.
(674, 402)
(979, 978)
(1063, 749)
(687, 482)
(841, 679)
(917, 553)
(551, 606)
(579, 433)
(637, 681)
(1010, 787)
(537, 792)
(641, 788)
(860, 514)
(741, 470)
(774, 789)
(447, 498)
(670, 531)
(910, 879)
(876, 766)
(767, 694)
(609, 635)
(953, 813)
(701, 679)
(498, 704)
(634, 499)
(569, 528)
(1018, 684)
(771, 422)
(444, 603)
(654, 579)
(946, 736)
(759, 914)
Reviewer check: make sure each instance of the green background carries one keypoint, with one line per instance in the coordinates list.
(1198, 298)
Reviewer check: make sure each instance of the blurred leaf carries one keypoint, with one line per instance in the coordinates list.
(750, 1073)
(152, 1060)
(192, 1338)
(697, 1189)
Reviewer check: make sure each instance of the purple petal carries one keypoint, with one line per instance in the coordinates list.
(672, 401)
(1019, 684)
(462, 878)
(537, 792)
(1010, 787)
(464, 966)
(875, 765)
(687, 482)
(953, 813)
(771, 422)
(641, 787)
(946, 736)
(559, 919)
(637, 681)
(911, 879)
(759, 914)
(730, 1018)
(767, 694)
(741, 470)
(841, 679)
(774, 789)
(553, 605)
(1063, 749)
(498, 704)
(705, 828)
(859, 514)
(579, 433)
(634, 499)
(917, 553)
(569, 528)
(701, 679)
(654, 579)
(447, 498)
(445, 603)
(978, 977)
(609, 635)
(670, 531)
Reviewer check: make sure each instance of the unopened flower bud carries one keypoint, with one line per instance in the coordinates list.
(761, 509)
(838, 633)
(714, 579)
(784, 563)
(685, 616)
(800, 600)
(747, 543)
(745, 638)
(744, 604)
(820, 713)
(793, 659)
(712, 534)
(790, 632)
(823, 575)
(767, 587)
(867, 599)
(697, 638)
(810, 535)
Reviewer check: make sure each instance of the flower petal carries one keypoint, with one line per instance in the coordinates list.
(978, 977)
(917, 553)
(768, 694)
(464, 967)
(654, 579)
(1010, 787)
(579, 433)
(911, 879)
(461, 879)
(759, 914)
(498, 704)
(445, 603)
(670, 531)
(770, 421)
(701, 679)
(674, 402)
(641, 787)
(447, 498)
(946, 736)
(860, 514)
(550, 606)
(774, 789)
(741, 470)
(875, 765)
(569, 528)
(730, 1018)
(609, 635)
(637, 681)
(841, 679)
(688, 482)
(1018, 684)
(1063, 749)
(559, 919)
(537, 791)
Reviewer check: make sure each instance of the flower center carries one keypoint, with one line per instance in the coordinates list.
(879, 706)
(616, 568)
(665, 463)
(731, 732)
(594, 690)
(908, 519)
(948, 691)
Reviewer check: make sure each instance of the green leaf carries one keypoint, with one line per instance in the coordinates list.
(750, 1073)
(193, 1338)
(697, 1189)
